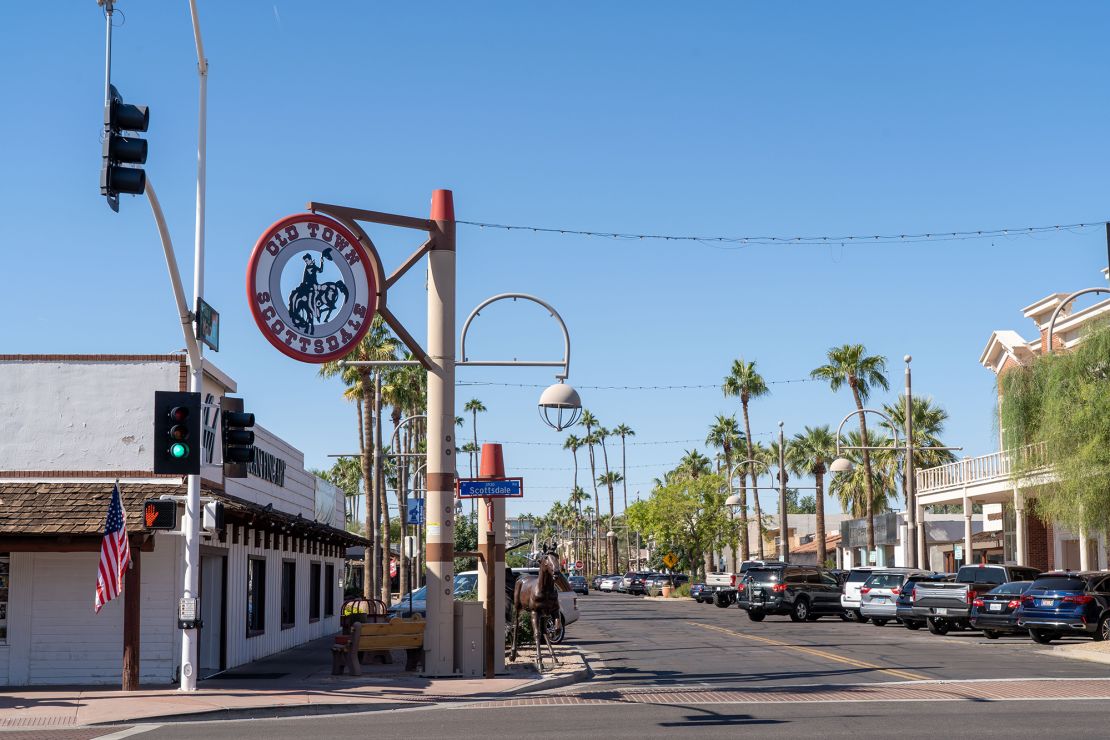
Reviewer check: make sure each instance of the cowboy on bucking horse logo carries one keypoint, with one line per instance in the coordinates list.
(311, 298)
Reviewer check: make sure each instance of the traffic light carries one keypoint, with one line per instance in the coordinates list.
(120, 149)
(238, 439)
(177, 440)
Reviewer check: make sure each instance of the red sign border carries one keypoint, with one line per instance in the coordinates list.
(364, 260)
(459, 481)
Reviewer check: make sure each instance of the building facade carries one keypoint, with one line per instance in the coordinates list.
(1022, 537)
(72, 425)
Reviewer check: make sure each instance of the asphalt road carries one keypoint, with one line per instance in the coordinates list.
(664, 668)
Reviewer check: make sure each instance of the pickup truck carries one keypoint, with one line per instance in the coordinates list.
(722, 586)
(947, 605)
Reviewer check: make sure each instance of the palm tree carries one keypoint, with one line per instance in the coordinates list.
(694, 464)
(572, 443)
(474, 406)
(807, 455)
(376, 344)
(725, 434)
(743, 381)
(590, 421)
(928, 425)
(609, 479)
(850, 363)
(761, 455)
(623, 431)
(601, 435)
(404, 390)
(577, 496)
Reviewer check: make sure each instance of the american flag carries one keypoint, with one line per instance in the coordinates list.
(115, 554)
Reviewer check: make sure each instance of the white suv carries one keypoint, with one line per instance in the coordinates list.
(850, 598)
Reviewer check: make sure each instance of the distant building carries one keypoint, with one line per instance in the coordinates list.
(519, 528)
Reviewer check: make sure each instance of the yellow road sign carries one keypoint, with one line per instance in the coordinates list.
(670, 560)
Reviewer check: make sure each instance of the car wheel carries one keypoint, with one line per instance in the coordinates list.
(1103, 631)
(720, 600)
(910, 624)
(939, 626)
(756, 616)
(846, 617)
(857, 615)
(1043, 637)
(800, 612)
(556, 629)
(990, 634)
(879, 622)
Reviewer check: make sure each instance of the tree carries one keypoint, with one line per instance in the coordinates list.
(573, 443)
(850, 364)
(725, 434)
(590, 421)
(474, 406)
(853, 488)
(928, 425)
(687, 516)
(405, 390)
(743, 381)
(624, 431)
(610, 546)
(610, 478)
(808, 455)
(694, 465)
(1062, 403)
(376, 344)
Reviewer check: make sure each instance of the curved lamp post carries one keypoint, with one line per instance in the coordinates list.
(915, 550)
(733, 501)
(1065, 302)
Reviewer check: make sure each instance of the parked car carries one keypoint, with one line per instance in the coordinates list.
(995, 612)
(701, 593)
(905, 610)
(949, 604)
(879, 591)
(804, 592)
(579, 586)
(609, 583)
(658, 580)
(1058, 604)
(850, 598)
(635, 582)
(464, 583)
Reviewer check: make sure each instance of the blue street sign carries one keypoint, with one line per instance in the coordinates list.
(501, 488)
(416, 511)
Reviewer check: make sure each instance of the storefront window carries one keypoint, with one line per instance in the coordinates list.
(288, 593)
(1009, 533)
(256, 596)
(5, 580)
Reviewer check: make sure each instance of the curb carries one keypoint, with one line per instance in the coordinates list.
(1077, 652)
(545, 683)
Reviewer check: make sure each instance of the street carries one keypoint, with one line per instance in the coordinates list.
(662, 667)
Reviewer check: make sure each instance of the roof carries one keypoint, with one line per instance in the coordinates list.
(831, 542)
(56, 509)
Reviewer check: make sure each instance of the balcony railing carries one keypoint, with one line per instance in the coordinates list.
(968, 471)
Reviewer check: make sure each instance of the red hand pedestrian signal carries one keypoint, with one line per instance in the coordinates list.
(151, 515)
(160, 514)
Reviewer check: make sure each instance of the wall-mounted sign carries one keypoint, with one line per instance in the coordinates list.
(312, 288)
(208, 325)
(415, 511)
(267, 467)
(499, 488)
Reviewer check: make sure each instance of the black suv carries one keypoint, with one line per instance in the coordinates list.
(804, 592)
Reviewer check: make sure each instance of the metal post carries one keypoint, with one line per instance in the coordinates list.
(108, 60)
(910, 484)
(784, 531)
(439, 633)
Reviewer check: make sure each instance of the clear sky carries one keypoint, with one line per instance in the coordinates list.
(721, 118)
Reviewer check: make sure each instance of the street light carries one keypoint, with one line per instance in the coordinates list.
(560, 406)
(916, 529)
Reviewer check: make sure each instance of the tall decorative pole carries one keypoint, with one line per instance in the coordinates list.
(784, 531)
(914, 534)
(438, 641)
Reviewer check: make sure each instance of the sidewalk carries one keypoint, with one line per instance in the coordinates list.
(296, 682)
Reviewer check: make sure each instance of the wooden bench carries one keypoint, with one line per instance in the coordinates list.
(397, 634)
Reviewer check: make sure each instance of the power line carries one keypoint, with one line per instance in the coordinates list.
(736, 242)
(630, 387)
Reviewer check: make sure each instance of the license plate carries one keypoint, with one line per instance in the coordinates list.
(942, 612)
(880, 600)
(1048, 602)
(996, 607)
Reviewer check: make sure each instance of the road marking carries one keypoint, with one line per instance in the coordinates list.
(815, 652)
(136, 730)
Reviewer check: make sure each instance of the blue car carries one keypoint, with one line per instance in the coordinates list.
(1067, 603)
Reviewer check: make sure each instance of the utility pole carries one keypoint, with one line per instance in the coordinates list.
(910, 485)
(784, 530)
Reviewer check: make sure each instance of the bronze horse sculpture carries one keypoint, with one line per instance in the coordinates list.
(538, 595)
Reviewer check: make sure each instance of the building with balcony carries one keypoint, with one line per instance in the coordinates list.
(1024, 538)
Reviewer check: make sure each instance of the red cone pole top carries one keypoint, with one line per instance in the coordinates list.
(443, 205)
(493, 461)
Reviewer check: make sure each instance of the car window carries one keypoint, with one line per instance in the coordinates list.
(1011, 588)
(858, 576)
(981, 574)
(1103, 587)
(764, 575)
(884, 580)
(1059, 583)
(829, 579)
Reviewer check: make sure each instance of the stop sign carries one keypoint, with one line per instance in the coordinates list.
(579, 565)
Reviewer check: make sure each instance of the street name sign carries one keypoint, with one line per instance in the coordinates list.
(483, 488)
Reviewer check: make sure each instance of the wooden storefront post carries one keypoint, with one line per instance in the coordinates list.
(132, 598)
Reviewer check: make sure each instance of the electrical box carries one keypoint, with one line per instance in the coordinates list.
(469, 638)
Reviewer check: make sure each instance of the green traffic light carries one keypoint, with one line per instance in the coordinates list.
(179, 450)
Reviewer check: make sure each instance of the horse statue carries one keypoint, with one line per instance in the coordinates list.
(538, 595)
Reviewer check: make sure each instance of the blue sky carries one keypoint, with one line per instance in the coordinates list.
(728, 118)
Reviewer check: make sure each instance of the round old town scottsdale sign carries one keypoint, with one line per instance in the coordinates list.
(312, 287)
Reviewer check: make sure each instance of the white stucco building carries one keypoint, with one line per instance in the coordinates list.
(71, 426)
